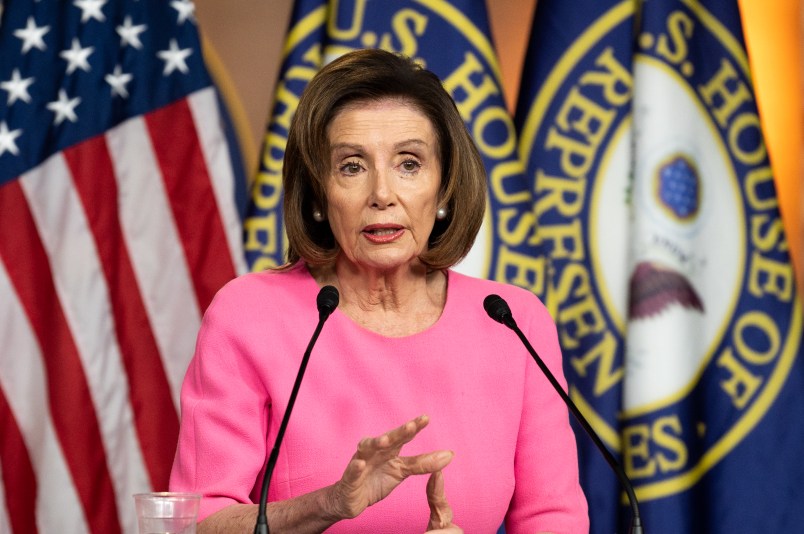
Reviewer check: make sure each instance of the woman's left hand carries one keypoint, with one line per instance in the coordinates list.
(440, 510)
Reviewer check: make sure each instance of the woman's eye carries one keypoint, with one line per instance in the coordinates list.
(410, 165)
(351, 167)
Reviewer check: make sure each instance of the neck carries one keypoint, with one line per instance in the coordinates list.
(391, 302)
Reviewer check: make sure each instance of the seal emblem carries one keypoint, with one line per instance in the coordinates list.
(671, 283)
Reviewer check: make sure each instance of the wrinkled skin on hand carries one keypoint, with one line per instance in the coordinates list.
(377, 468)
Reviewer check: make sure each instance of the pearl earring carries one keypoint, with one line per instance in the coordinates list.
(441, 214)
(317, 215)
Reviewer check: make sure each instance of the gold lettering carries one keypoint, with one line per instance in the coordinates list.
(613, 76)
(576, 157)
(494, 114)
(732, 93)
(667, 434)
(261, 234)
(741, 384)
(526, 270)
(753, 181)
(345, 34)
(775, 232)
(604, 351)
(679, 26)
(312, 56)
(272, 154)
(312, 60)
(566, 239)
(586, 317)
(289, 102)
(564, 194)
(736, 128)
(636, 455)
(762, 322)
(583, 316)
(405, 32)
(778, 277)
(500, 174)
(516, 235)
(267, 189)
(585, 117)
(474, 94)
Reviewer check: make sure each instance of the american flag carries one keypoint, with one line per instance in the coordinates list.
(117, 225)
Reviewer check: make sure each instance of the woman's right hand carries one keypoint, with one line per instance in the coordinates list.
(377, 468)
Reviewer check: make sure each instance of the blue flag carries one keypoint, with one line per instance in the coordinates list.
(450, 38)
(670, 275)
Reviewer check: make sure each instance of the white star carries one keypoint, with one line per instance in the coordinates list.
(17, 87)
(91, 9)
(174, 58)
(77, 57)
(64, 108)
(118, 81)
(7, 138)
(186, 10)
(130, 35)
(32, 35)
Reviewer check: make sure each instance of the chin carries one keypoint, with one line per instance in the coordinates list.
(388, 262)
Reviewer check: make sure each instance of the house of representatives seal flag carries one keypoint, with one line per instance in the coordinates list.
(450, 38)
(117, 225)
(670, 275)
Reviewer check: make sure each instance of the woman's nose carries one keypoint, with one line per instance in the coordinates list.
(382, 193)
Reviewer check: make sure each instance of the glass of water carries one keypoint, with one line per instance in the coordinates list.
(167, 512)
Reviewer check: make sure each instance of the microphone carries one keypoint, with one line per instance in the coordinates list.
(498, 310)
(326, 301)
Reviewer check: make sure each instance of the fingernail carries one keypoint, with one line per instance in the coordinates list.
(443, 456)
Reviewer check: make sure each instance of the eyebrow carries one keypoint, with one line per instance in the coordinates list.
(359, 148)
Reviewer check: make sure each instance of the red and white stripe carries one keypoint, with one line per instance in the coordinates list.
(109, 253)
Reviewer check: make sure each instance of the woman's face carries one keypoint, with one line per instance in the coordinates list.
(383, 182)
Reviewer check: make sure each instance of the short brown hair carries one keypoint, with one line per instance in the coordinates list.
(370, 75)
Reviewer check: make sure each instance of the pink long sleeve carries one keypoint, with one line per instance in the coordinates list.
(515, 454)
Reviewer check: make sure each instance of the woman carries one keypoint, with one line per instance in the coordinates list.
(384, 192)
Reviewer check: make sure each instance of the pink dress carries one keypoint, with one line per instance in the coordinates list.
(515, 455)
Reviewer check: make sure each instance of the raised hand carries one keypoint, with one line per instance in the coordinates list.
(377, 468)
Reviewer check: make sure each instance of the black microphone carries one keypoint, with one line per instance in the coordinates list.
(498, 310)
(327, 301)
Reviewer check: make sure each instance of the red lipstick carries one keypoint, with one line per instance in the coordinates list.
(382, 233)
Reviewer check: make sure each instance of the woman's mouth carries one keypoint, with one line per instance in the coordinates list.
(382, 234)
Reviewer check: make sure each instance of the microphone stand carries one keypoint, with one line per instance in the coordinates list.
(498, 310)
(327, 302)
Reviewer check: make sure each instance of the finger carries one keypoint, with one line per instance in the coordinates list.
(440, 510)
(404, 433)
(426, 463)
(393, 440)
